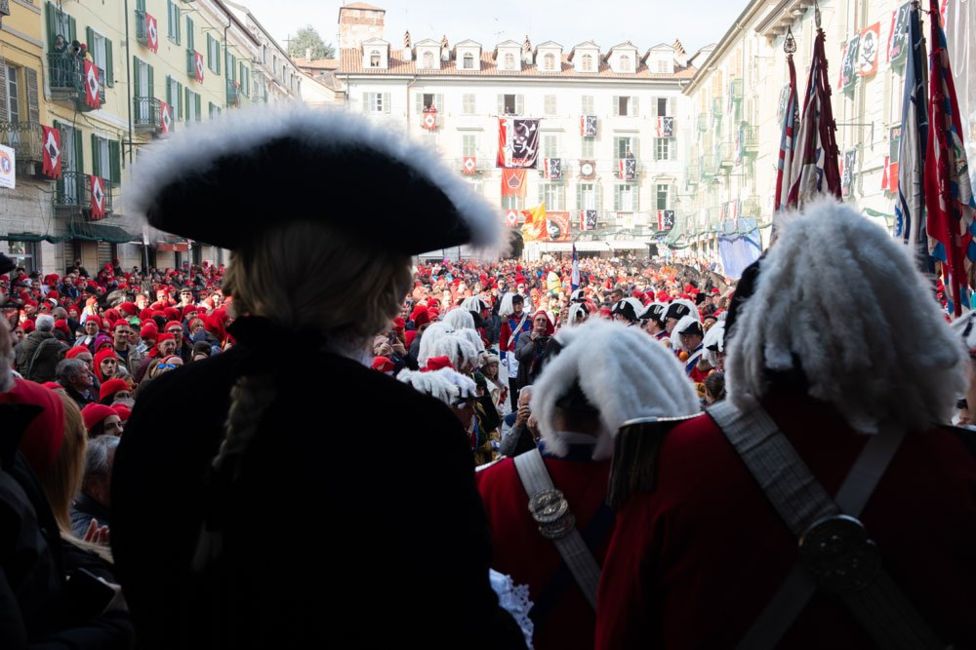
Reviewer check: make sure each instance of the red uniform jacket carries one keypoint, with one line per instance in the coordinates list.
(692, 564)
(519, 550)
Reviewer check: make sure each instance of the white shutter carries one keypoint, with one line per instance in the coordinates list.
(654, 112)
(671, 106)
(598, 187)
(420, 103)
(439, 103)
(366, 107)
(501, 104)
(634, 107)
(616, 105)
(635, 146)
(386, 102)
(519, 104)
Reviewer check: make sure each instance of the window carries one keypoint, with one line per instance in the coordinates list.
(625, 197)
(24, 253)
(587, 63)
(625, 147)
(510, 105)
(245, 80)
(374, 59)
(554, 195)
(96, 45)
(509, 61)
(192, 106)
(468, 61)
(586, 105)
(623, 105)
(468, 104)
(190, 35)
(549, 102)
(512, 203)
(213, 54)
(376, 102)
(587, 148)
(100, 157)
(550, 146)
(662, 148)
(662, 66)
(662, 106)
(264, 54)
(428, 59)
(429, 101)
(214, 110)
(625, 63)
(13, 94)
(549, 62)
(174, 91)
(173, 22)
(662, 197)
(469, 145)
(586, 197)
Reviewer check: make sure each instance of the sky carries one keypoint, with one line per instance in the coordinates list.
(567, 22)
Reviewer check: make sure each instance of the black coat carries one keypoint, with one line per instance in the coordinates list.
(354, 515)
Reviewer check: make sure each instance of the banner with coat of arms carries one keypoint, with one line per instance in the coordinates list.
(152, 33)
(51, 152)
(430, 119)
(848, 66)
(587, 219)
(553, 168)
(588, 126)
(469, 165)
(665, 127)
(518, 142)
(97, 206)
(867, 51)
(898, 36)
(93, 87)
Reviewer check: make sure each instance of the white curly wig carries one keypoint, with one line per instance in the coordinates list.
(843, 299)
(623, 372)
(445, 384)
(428, 339)
(459, 318)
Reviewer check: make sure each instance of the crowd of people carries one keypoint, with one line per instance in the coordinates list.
(329, 440)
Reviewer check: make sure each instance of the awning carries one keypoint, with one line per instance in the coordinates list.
(87, 231)
(30, 236)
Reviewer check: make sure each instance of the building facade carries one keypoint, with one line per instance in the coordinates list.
(738, 96)
(452, 96)
(110, 79)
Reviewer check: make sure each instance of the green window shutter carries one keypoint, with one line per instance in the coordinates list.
(140, 5)
(72, 29)
(178, 102)
(90, 39)
(96, 155)
(51, 18)
(210, 51)
(169, 98)
(197, 105)
(109, 64)
(217, 51)
(186, 100)
(4, 117)
(115, 162)
(190, 38)
(152, 92)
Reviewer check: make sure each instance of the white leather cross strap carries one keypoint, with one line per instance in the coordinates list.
(551, 511)
(836, 553)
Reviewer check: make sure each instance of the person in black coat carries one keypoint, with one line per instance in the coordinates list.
(280, 510)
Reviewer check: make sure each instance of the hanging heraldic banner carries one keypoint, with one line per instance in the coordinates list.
(898, 36)
(518, 142)
(867, 55)
(848, 66)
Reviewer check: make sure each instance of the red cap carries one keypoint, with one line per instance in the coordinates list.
(75, 351)
(42, 438)
(95, 413)
(383, 364)
(436, 363)
(111, 387)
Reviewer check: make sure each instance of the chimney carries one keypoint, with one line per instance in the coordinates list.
(445, 49)
(407, 47)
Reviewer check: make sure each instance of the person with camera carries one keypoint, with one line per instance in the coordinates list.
(531, 349)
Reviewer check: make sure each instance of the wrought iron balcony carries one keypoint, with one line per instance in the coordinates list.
(146, 114)
(26, 140)
(67, 79)
(70, 191)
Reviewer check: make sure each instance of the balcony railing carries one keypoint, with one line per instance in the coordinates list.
(87, 195)
(146, 114)
(70, 191)
(67, 80)
(26, 140)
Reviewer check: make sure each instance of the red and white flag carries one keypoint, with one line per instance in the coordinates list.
(152, 34)
(469, 166)
(51, 163)
(92, 85)
(198, 66)
(511, 218)
(165, 118)
(97, 185)
(430, 119)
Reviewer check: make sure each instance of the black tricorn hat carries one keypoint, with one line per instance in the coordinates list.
(230, 180)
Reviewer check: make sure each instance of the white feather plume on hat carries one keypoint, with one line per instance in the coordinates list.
(623, 373)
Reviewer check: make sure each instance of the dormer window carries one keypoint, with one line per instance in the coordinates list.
(662, 66)
(509, 61)
(468, 61)
(549, 62)
(428, 59)
(587, 63)
(625, 63)
(374, 59)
